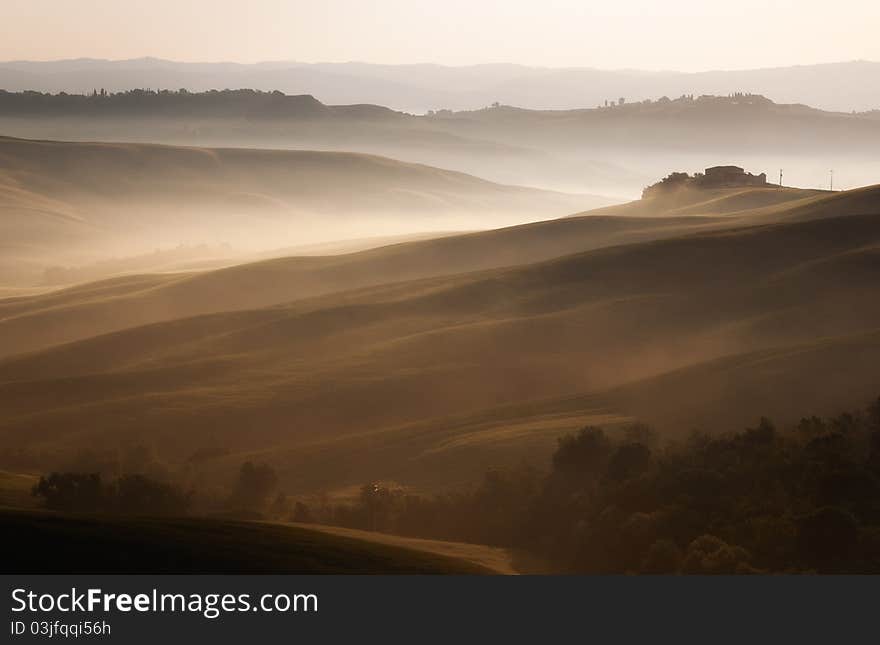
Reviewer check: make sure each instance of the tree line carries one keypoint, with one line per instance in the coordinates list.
(806, 499)
(253, 495)
(145, 102)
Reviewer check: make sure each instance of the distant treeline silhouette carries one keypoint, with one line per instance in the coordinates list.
(252, 103)
(762, 500)
(169, 103)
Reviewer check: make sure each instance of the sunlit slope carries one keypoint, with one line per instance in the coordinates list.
(688, 200)
(859, 201)
(495, 559)
(276, 379)
(75, 313)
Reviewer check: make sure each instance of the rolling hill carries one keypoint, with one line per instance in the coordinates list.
(405, 378)
(68, 203)
(88, 310)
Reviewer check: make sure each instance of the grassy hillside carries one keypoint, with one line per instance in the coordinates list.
(87, 310)
(262, 179)
(725, 393)
(73, 203)
(418, 377)
(141, 545)
(720, 395)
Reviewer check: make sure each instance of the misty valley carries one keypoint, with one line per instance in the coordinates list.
(246, 331)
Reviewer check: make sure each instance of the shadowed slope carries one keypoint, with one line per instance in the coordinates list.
(819, 377)
(175, 545)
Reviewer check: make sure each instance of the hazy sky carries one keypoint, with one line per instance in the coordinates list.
(648, 34)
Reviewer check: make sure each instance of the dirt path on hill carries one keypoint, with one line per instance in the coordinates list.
(501, 561)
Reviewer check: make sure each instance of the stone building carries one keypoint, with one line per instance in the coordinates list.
(726, 176)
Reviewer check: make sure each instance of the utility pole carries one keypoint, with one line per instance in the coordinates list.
(831, 183)
(780, 177)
